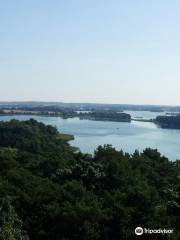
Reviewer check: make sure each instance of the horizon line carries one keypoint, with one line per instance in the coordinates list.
(97, 103)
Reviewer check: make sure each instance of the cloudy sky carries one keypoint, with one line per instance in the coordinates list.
(106, 51)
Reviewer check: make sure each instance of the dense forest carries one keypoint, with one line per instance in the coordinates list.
(50, 191)
(106, 116)
(171, 122)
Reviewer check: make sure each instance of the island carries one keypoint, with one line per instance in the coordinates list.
(106, 116)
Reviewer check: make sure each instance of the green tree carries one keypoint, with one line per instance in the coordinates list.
(11, 225)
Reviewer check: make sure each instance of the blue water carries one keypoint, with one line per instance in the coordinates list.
(126, 136)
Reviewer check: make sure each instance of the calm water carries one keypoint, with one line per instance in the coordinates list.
(127, 136)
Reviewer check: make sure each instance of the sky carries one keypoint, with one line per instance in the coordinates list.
(105, 51)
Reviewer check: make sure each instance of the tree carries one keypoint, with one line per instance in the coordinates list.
(11, 225)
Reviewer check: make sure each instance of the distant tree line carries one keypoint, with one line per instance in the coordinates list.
(171, 122)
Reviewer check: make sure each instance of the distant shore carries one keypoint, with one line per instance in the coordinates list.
(167, 121)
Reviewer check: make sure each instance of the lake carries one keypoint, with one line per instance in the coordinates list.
(126, 136)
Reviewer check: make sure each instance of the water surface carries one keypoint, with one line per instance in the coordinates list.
(126, 136)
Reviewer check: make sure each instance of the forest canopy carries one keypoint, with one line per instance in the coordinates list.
(50, 191)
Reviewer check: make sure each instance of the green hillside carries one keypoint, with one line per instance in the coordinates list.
(50, 191)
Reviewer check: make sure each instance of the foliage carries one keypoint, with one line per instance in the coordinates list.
(172, 122)
(57, 193)
(11, 225)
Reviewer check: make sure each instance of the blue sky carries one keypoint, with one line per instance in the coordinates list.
(90, 51)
